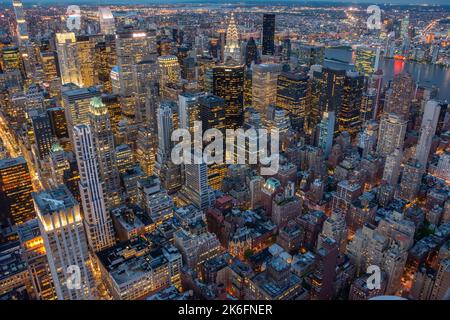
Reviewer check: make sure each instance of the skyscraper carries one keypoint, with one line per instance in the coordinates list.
(292, 97)
(106, 18)
(268, 34)
(251, 52)
(392, 167)
(400, 96)
(427, 130)
(264, 86)
(16, 204)
(348, 118)
(367, 60)
(326, 132)
(391, 134)
(65, 243)
(22, 28)
(411, 180)
(66, 48)
(232, 46)
(228, 84)
(132, 46)
(96, 219)
(103, 137)
(196, 189)
(170, 71)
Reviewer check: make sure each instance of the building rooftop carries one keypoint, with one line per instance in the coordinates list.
(54, 200)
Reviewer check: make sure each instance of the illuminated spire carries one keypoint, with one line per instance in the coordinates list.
(232, 47)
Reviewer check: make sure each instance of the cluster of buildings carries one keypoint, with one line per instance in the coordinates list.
(92, 205)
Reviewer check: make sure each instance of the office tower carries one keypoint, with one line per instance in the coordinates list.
(22, 28)
(59, 164)
(411, 180)
(105, 59)
(334, 228)
(103, 138)
(146, 147)
(96, 219)
(169, 173)
(58, 122)
(391, 134)
(86, 59)
(115, 113)
(34, 253)
(268, 34)
(228, 84)
(67, 51)
(170, 71)
(292, 91)
(61, 226)
(348, 118)
(401, 95)
(212, 115)
(248, 87)
(49, 62)
(189, 109)
(309, 54)
(392, 167)
(124, 158)
(132, 46)
(232, 46)
(145, 74)
(427, 130)
(331, 89)
(251, 52)
(106, 18)
(195, 189)
(42, 131)
(326, 132)
(367, 60)
(16, 205)
(77, 103)
(264, 86)
(314, 114)
(368, 105)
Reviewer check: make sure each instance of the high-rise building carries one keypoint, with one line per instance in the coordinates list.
(170, 71)
(103, 137)
(77, 103)
(22, 27)
(67, 50)
(411, 179)
(16, 204)
(251, 52)
(400, 96)
(292, 91)
(348, 118)
(264, 86)
(195, 189)
(43, 134)
(212, 115)
(86, 59)
(334, 228)
(132, 46)
(391, 134)
(58, 122)
(268, 34)
(232, 46)
(106, 18)
(331, 89)
(326, 132)
(169, 173)
(427, 130)
(392, 167)
(96, 219)
(228, 84)
(65, 243)
(367, 60)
